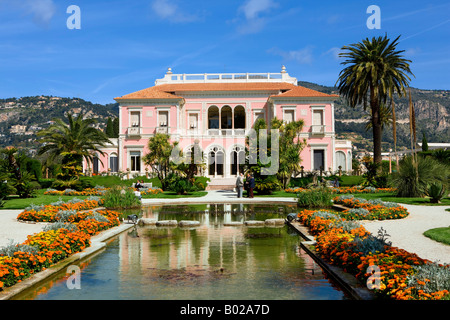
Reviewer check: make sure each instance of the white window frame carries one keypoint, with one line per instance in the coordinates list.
(134, 109)
(320, 108)
(135, 149)
(158, 111)
(323, 147)
(289, 108)
(255, 112)
(189, 129)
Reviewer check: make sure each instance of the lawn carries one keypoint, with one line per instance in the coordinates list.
(174, 195)
(390, 197)
(281, 194)
(14, 202)
(439, 234)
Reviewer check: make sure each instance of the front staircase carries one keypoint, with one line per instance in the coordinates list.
(221, 184)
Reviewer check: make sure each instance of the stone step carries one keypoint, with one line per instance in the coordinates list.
(222, 181)
(221, 184)
(219, 187)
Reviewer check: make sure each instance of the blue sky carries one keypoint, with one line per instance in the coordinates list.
(124, 46)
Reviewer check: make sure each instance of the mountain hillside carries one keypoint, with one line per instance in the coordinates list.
(432, 109)
(21, 118)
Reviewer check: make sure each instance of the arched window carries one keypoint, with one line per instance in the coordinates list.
(239, 117)
(95, 164)
(113, 162)
(341, 161)
(349, 161)
(226, 116)
(237, 160)
(193, 154)
(213, 117)
(215, 161)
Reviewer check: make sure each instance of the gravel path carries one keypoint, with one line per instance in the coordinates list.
(11, 229)
(407, 233)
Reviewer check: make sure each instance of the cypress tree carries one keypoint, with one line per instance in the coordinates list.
(424, 142)
(109, 128)
(116, 127)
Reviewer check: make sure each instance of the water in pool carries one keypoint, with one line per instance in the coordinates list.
(211, 261)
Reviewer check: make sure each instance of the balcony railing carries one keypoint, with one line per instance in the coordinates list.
(343, 144)
(162, 130)
(318, 129)
(225, 132)
(136, 132)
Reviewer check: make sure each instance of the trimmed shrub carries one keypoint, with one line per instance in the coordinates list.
(315, 198)
(121, 197)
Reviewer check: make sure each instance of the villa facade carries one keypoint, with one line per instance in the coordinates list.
(217, 111)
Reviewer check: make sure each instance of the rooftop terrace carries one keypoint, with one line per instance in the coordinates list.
(169, 77)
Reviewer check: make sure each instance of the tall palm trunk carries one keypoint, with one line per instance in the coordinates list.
(376, 126)
(394, 132)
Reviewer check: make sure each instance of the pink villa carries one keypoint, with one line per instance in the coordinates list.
(217, 111)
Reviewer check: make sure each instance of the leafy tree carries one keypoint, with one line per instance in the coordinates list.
(375, 71)
(182, 177)
(15, 178)
(264, 183)
(290, 146)
(72, 142)
(160, 149)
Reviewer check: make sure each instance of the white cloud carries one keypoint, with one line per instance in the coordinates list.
(334, 52)
(42, 11)
(170, 11)
(302, 56)
(253, 11)
(252, 8)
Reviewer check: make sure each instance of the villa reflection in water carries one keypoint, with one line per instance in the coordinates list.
(210, 261)
(211, 246)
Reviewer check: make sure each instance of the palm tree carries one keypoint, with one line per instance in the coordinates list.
(386, 117)
(376, 70)
(73, 141)
(417, 174)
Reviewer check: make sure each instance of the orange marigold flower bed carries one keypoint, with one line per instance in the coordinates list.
(70, 192)
(54, 245)
(48, 212)
(343, 249)
(378, 210)
(347, 190)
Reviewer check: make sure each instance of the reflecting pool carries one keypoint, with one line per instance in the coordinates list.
(211, 261)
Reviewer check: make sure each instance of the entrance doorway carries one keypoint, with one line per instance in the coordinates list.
(319, 159)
